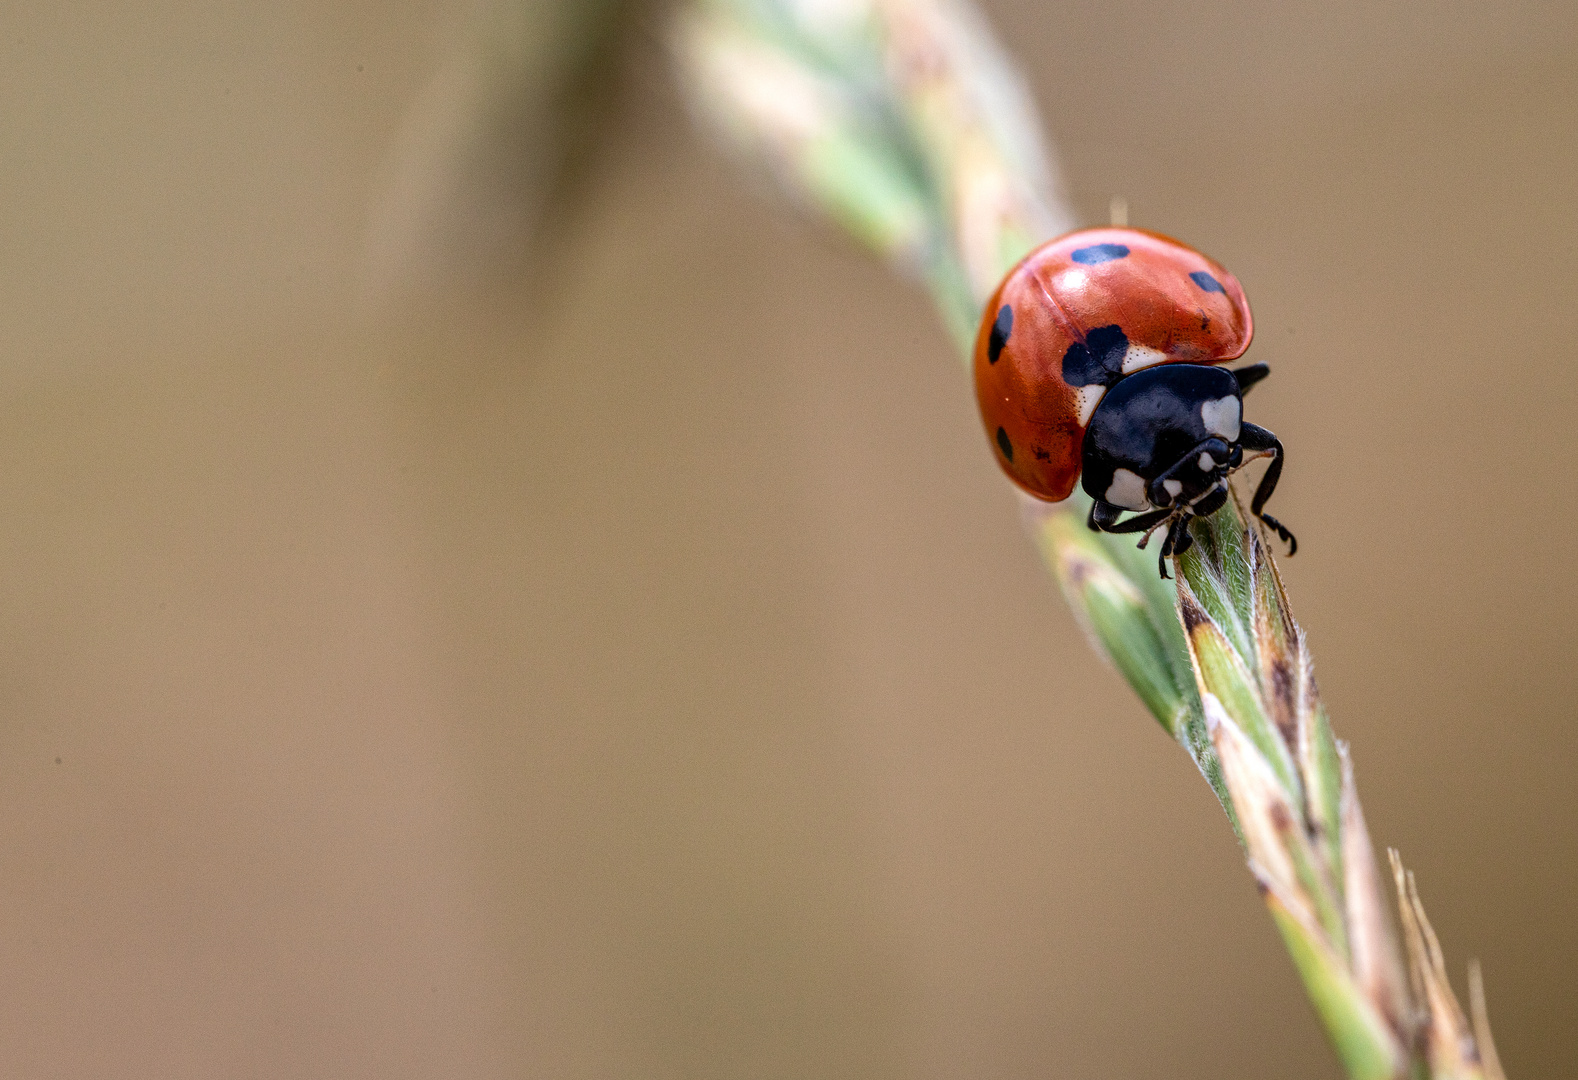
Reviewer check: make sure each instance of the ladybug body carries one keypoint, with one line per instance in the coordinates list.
(1097, 358)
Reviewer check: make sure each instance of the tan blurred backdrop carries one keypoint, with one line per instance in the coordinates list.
(428, 655)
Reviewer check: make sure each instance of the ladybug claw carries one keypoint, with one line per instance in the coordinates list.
(1282, 532)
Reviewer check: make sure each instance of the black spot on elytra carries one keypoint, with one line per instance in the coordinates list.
(1098, 359)
(1099, 253)
(1004, 445)
(1206, 282)
(999, 335)
(1041, 453)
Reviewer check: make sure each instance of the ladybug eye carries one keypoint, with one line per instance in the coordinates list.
(1206, 282)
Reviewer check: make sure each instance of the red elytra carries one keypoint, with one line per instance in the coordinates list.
(1054, 316)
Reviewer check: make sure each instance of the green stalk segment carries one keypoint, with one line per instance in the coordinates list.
(1368, 1048)
(1115, 614)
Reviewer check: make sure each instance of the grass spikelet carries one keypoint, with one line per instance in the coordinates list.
(1449, 1044)
(1377, 966)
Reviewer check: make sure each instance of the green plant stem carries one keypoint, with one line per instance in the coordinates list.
(905, 123)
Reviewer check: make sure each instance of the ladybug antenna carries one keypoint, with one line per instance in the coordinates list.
(1118, 211)
(1146, 539)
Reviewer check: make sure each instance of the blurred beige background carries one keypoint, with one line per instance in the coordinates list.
(619, 657)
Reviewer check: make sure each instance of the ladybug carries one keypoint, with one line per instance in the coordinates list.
(1098, 359)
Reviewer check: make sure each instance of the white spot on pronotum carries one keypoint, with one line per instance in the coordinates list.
(1139, 356)
(1222, 417)
(1087, 398)
(1174, 487)
(1207, 462)
(1128, 491)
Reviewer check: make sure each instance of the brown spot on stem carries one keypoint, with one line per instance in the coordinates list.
(1282, 695)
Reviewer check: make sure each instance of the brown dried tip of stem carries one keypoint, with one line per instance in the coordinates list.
(1450, 1045)
(1476, 1005)
(1378, 965)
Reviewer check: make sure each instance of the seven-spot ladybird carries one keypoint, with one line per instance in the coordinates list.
(1097, 356)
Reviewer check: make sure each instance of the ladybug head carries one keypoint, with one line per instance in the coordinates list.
(1163, 443)
(1164, 437)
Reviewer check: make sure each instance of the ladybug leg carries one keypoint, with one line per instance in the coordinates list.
(1178, 541)
(1211, 503)
(1259, 440)
(1167, 549)
(1249, 376)
(1102, 514)
(1137, 523)
(1282, 530)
